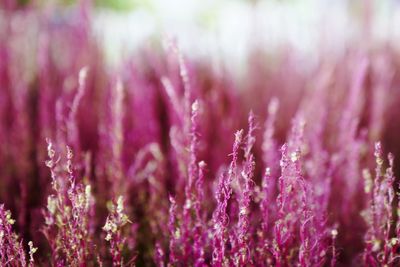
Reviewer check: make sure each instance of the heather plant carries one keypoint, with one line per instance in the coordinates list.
(68, 214)
(113, 227)
(12, 251)
(160, 160)
(381, 237)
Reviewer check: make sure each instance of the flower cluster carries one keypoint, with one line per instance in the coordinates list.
(115, 221)
(12, 251)
(381, 238)
(68, 214)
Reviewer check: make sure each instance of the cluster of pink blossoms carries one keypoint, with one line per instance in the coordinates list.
(168, 160)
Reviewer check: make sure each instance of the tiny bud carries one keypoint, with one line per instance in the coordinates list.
(238, 136)
(108, 237)
(82, 75)
(50, 149)
(243, 211)
(188, 204)
(70, 154)
(51, 204)
(177, 233)
(294, 157)
(334, 233)
(376, 245)
(202, 164)
(195, 106)
(367, 181)
(120, 204)
(32, 249)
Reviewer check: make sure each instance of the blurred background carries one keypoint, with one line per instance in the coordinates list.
(226, 29)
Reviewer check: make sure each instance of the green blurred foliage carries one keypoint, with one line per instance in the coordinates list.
(117, 5)
(23, 2)
(123, 5)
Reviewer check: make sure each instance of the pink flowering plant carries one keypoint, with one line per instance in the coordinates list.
(166, 161)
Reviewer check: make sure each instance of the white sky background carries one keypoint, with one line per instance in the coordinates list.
(224, 29)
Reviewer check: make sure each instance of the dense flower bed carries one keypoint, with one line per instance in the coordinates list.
(170, 161)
